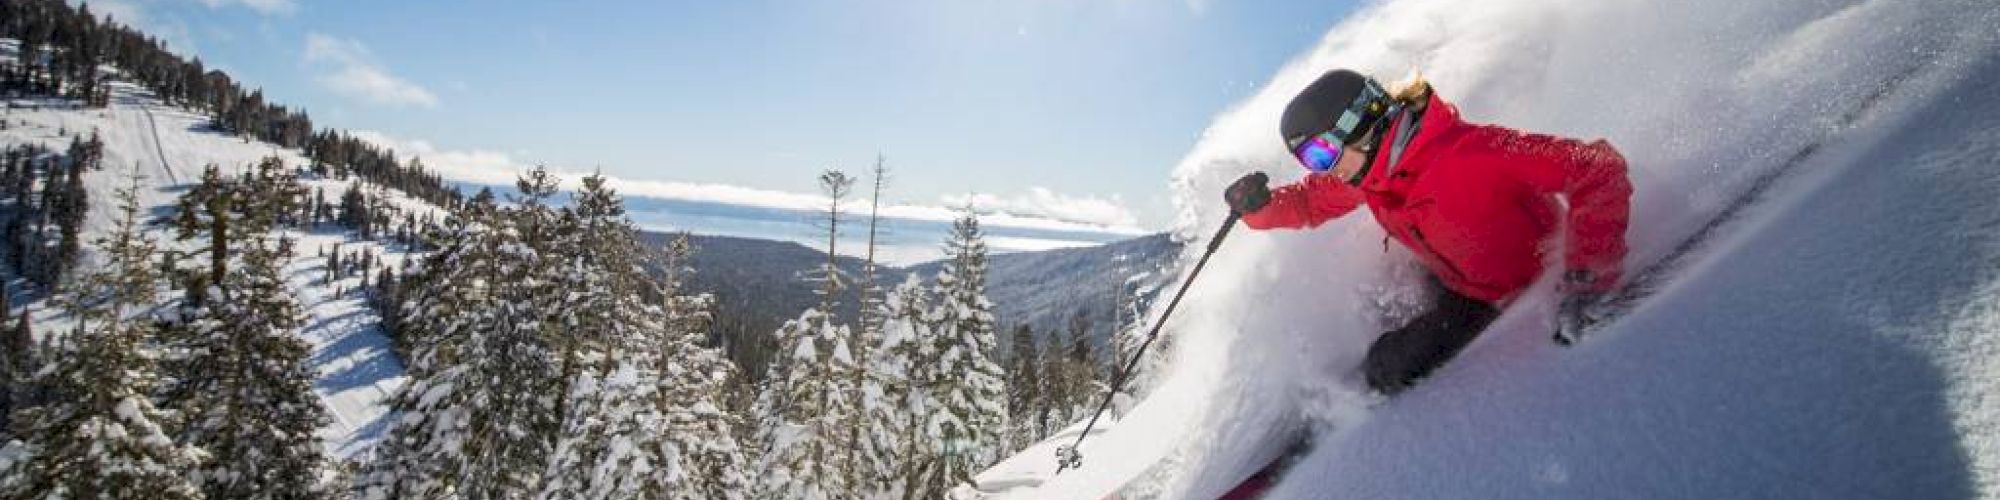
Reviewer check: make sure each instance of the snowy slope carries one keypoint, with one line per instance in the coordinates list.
(1845, 346)
(1836, 339)
(170, 146)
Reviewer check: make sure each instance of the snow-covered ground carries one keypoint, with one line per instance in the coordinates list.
(170, 146)
(1840, 338)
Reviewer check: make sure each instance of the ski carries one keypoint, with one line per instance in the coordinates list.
(1264, 479)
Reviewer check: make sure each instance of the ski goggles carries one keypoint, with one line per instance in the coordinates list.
(1319, 153)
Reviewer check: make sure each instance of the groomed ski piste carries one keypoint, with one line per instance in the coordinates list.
(169, 146)
(1836, 336)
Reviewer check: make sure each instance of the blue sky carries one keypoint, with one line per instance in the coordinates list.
(1077, 109)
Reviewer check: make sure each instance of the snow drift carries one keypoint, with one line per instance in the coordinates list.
(1836, 339)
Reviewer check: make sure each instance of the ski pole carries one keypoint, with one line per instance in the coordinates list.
(1067, 457)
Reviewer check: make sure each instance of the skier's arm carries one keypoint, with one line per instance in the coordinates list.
(1307, 203)
(1592, 176)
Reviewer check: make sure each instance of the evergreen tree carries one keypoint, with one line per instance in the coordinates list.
(693, 395)
(16, 360)
(807, 411)
(204, 211)
(482, 410)
(811, 401)
(354, 208)
(1074, 371)
(1026, 425)
(251, 404)
(879, 384)
(270, 196)
(698, 377)
(70, 208)
(1058, 393)
(98, 435)
(642, 418)
(967, 387)
(905, 355)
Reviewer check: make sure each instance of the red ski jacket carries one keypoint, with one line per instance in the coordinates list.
(1477, 203)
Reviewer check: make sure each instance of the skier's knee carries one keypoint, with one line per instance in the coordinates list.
(1386, 369)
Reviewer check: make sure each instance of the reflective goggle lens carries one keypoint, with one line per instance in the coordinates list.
(1319, 153)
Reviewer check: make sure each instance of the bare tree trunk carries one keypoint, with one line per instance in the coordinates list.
(836, 184)
(870, 320)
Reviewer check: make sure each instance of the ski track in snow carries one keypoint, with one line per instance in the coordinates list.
(1836, 339)
(358, 371)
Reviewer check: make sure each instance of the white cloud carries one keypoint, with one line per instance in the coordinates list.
(1040, 208)
(265, 7)
(483, 167)
(1042, 202)
(347, 68)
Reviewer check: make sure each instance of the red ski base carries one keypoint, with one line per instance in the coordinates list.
(1254, 487)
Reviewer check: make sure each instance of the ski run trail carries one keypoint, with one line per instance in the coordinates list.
(1833, 331)
(169, 146)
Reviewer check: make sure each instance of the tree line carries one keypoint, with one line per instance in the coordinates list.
(60, 51)
(44, 227)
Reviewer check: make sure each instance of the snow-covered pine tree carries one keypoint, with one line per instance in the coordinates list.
(697, 377)
(967, 388)
(903, 357)
(643, 419)
(874, 432)
(270, 195)
(249, 399)
(601, 450)
(98, 435)
(807, 410)
(807, 405)
(480, 415)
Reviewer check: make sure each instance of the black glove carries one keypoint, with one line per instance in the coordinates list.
(1579, 310)
(1249, 194)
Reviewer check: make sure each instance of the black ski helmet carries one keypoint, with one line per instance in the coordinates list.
(1341, 101)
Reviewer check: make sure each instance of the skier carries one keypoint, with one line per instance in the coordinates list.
(1477, 204)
